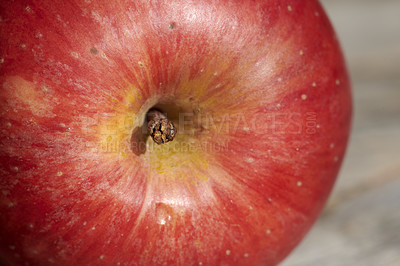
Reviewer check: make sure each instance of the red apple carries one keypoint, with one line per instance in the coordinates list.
(257, 89)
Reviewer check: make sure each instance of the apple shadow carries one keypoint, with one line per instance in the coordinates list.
(138, 140)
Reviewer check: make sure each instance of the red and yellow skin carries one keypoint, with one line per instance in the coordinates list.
(258, 90)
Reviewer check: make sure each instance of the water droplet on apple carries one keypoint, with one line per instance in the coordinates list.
(163, 213)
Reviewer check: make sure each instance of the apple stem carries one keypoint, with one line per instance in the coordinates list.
(159, 127)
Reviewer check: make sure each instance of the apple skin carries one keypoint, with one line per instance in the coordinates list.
(266, 104)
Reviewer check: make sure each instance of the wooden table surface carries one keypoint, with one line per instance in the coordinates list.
(361, 222)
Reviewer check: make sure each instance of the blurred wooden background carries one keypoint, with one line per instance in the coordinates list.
(361, 223)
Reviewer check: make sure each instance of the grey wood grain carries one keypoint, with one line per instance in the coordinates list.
(361, 223)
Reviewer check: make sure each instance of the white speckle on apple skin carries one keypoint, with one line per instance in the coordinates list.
(12, 247)
(75, 54)
(246, 128)
(336, 159)
(289, 8)
(299, 183)
(1, 60)
(59, 173)
(246, 255)
(250, 160)
(317, 14)
(337, 82)
(332, 145)
(314, 84)
(101, 257)
(268, 231)
(228, 252)
(301, 52)
(304, 97)
(39, 35)
(279, 79)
